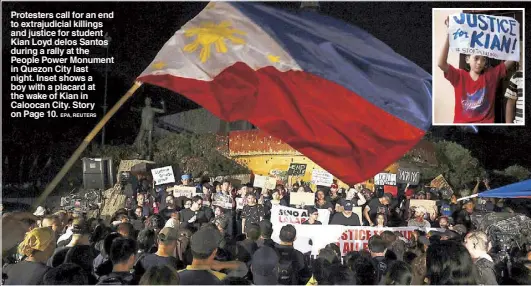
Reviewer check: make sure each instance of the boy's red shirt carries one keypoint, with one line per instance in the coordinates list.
(474, 100)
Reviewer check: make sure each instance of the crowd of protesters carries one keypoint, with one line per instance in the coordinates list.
(158, 239)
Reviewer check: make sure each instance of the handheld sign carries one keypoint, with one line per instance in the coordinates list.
(307, 199)
(490, 36)
(408, 176)
(221, 200)
(429, 205)
(183, 191)
(322, 178)
(163, 175)
(383, 179)
(296, 169)
(259, 181)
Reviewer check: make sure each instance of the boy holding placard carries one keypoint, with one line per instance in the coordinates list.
(475, 90)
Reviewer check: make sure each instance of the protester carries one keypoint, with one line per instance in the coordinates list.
(476, 242)
(347, 217)
(314, 216)
(160, 275)
(122, 256)
(376, 206)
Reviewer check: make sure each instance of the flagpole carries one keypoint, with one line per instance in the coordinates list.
(68, 165)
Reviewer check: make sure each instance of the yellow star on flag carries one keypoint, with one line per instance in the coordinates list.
(159, 65)
(273, 59)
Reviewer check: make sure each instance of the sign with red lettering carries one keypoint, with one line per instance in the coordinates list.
(358, 239)
(281, 215)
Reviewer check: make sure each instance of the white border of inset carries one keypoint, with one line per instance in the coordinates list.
(434, 56)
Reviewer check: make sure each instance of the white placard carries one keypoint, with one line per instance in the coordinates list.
(163, 175)
(259, 181)
(487, 35)
(322, 178)
(182, 191)
(385, 179)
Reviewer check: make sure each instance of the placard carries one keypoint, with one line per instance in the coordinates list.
(240, 203)
(491, 36)
(281, 215)
(264, 182)
(297, 199)
(182, 191)
(221, 200)
(322, 178)
(297, 169)
(408, 176)
(429, 205)
(163, 175)
(383, 179)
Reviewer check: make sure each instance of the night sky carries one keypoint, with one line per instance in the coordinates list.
(139, 30)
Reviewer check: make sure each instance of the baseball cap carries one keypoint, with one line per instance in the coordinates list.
(263, 266)
(40, 211)
(410, 192)
(205, 240)
(347, 206)
(185, 177)
(168, 233)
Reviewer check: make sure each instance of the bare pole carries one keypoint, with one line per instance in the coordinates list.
(108, 38)
(75, 156)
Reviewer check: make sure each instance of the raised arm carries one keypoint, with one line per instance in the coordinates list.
(443, 58)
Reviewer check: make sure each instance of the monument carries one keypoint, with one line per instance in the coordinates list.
(144, 139)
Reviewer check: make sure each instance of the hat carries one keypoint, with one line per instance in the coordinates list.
(168, 233)
(446, 210)
(410, 192)
(37, 239)
(40, 211)
(185, 177)
(333, 186)
(347, 206)
(263, 266)
(460, 229)
(205, 240)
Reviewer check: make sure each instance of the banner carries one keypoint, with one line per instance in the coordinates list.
(322, 178)
(306, 199)
(163, 175)
(296, 169)
(490, 36)
(408, 176)
(281, 215)
(383, 179)
(182, 191)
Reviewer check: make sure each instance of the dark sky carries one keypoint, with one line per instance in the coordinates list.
(139, 30)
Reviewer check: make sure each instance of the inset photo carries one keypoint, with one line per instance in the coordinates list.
(478, 66)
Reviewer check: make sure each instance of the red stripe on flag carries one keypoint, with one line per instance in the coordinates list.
(334, 127)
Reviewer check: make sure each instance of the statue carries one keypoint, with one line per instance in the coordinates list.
(146, 129)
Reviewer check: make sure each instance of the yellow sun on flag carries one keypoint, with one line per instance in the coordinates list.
(210, 33)
(273, 59)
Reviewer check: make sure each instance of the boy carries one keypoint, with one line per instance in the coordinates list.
(475, 91)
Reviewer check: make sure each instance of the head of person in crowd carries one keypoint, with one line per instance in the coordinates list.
(449, 263)
(53, 222)
(63, 217)
(138, 212)
(420, 212)
(140, 199)
(252, 232)
(380, 220)
(377, 246)
(364, 271)
(266, 229)
(264, 266)
(155, 222)
(421, 195)
(320, 196)
(167, 241)
(347, 208)
(276, 195)
(350, 258)
(123, 254)
(146, 240)
(386, 199)
(288, 234)
(218, 211)
(398, 273)
(388, 237)
(221, 223)
(126, 230)
(335, 248)
(170, 202)
(477, 244)
(38, 244)
(66, 274)
(333, 190)
(188, 203)
(226, 187)
(398, 248)
(174, 220)
(204, 245)
(243, 191)
(469, 206)
(197, 203)
(251, 200)
(301, 189)
(185, 179)
(160, 275)
(453, 199)
(410, 193)
(80, 233)
(82, 255)
(443, 222)
(107, 242)
(313, 214)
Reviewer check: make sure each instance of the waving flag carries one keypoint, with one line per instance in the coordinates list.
(328, 89)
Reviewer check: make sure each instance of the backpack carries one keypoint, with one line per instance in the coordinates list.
(286, 267)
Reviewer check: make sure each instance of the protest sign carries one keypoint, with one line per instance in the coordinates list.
(383, 179)
(182, 191)
(357, 238)
(270, 183)
(296, 169)
(306, 199)
(163, 175)
(429, 205)
(440, 183)
(264, 182)
(393, 190)
(408, 176)
(240, 203)
(281, 215)
(322, 178)
(221, 200)
(490, 36)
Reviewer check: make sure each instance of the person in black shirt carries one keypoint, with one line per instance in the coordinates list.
(347, 217)
(193, 217)
(251, 213)
(122, 255)
(376, 206)
(314, 215)
(322, 203)
(167, 244)
(378, 248)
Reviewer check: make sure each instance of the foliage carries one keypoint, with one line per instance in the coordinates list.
(456, 164)
(515, 171)
(197, 154)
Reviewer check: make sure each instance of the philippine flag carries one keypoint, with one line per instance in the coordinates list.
(328, 89)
